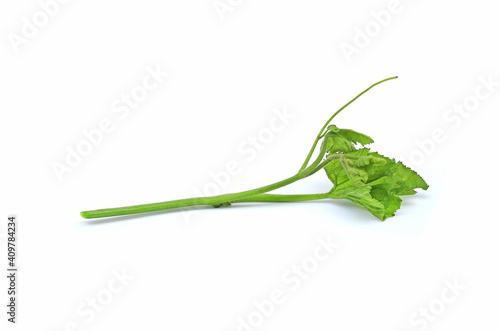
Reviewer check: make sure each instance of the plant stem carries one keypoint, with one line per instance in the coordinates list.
(283, 197)
(208, 201)
(304, 165)
(223, 198)
(200, 201)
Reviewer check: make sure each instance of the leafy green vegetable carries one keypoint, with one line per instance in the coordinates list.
(344, 140)
(372, 181)
(368, 179)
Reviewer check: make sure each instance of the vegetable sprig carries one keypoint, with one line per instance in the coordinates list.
(366, 178)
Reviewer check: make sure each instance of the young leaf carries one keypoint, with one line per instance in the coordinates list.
(369, 178)
(344, 140)
(356, 137)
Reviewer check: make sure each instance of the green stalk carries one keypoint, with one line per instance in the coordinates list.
(223, 199)
(200, 201)
(208, 201)
(320, 134)
(284, 197)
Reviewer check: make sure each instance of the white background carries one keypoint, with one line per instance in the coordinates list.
(228, 74)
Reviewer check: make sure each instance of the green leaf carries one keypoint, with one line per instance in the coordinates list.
(398, 178)
(408, 180)
(366, 160)
(390, 201)
(372, 181)
(344, 140)
(362, 197)
(356, 137)
(355, 168)
(338, 143)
